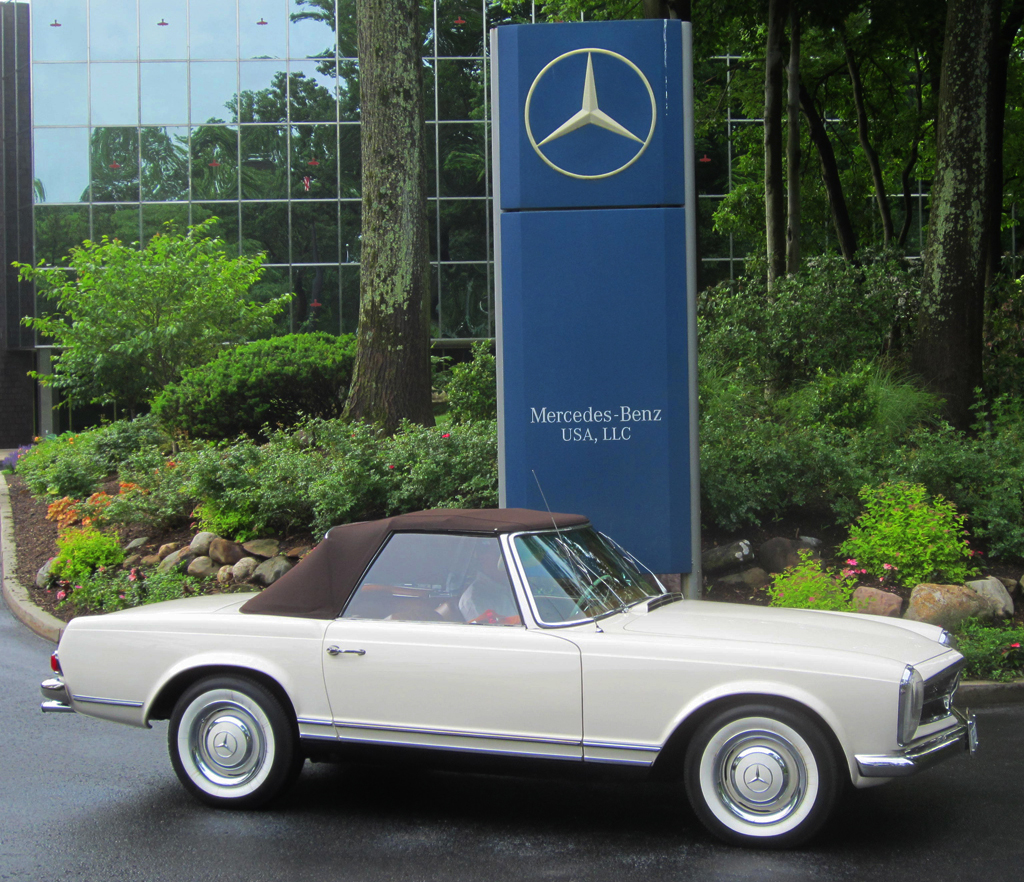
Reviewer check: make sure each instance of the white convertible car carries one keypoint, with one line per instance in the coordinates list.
(516, 633)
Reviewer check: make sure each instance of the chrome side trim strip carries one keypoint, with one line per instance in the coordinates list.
(116, 702)
(311, 721)
(455, 733)
(613, 745)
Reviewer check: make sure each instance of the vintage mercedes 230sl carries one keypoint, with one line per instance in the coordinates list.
(517, 633)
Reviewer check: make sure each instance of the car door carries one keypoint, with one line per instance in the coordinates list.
(431, 652)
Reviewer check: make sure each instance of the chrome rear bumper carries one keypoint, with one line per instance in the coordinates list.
(961, 737)
(55, 697)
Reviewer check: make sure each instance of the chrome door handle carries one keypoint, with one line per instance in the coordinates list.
(337, 650)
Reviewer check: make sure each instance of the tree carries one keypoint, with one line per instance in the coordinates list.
(391, 378)
(774, 189)
(948, 353)
(130, 320)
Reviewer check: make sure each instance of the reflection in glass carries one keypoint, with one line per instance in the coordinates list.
(264, 162)
(116, 222)
(214, 91)
(115, 164)
(59, 30)
(315, 305)
(156, 217)
(314, 232)
(212, 29)
(463, 229)
(113, 31)
(350, 159)
(348, 91)
(58, 229)
(165, 163)
(274, 282)
(164, 93)
(311, 29)
(346, 27)
(314, 167)
(261, 28)
(465, 302)
(263, 91)
(60, 95)
(162, 29)
(463, 159)
(265, 228)
(114, 89)
(311, 93)
(460, 86)
(61, 165)
(214, 162)
(226, 227)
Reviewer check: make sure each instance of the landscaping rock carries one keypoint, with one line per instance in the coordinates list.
(725, 557)
(167, 549)
(948, 605)
(752, 578)
(297, 552)
(779, 554)
(265, 548)
(225, 574)
(177, 561)
(136, 544)
(268, 572)
(1011, 585)
(874, 602)
(150, 560)
(202, 568)
(995, 591)
(43, 576)
(243, 570)
(133, 560)
(810, 542)
(200, 544)
(224, 551)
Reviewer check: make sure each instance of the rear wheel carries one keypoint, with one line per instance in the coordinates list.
(232, 743)
(761, 775)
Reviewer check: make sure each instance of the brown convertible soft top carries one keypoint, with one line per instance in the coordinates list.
(320, 585)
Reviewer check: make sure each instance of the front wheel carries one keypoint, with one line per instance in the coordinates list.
(232, 744)
(761, 775)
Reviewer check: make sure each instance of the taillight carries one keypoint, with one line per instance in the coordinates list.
(55, 664)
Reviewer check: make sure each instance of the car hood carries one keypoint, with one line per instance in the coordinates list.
(907, 642)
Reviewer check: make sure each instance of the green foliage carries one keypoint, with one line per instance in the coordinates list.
(112, 590)
(473, 387)
(807, 585)
(155, 490)
(67, 465)
(993, 652)
(129, 320)
(81, 551)
(907, 535)
(1004, 338)
(265, 383)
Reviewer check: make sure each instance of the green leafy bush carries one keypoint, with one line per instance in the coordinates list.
(266, 383)
(67, 465)
(908, 536)
(155, 489)
(993, 652)
(112, 590)
(82, 551)
(807, 585)
(473, 387)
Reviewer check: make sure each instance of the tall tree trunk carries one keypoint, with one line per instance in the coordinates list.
(830, 177)
(881, 199)
(947, 353)
(1000, 68)
(793, 144)
(391, 375)
(774, 191)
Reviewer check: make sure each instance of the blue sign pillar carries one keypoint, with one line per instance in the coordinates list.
(595, 250)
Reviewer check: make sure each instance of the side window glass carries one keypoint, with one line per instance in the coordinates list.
(422, 577)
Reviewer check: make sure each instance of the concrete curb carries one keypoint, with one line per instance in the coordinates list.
(16, 596)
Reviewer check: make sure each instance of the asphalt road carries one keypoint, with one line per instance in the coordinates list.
(86, 800)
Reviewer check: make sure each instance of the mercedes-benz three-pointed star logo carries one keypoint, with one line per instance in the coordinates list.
(590, 114)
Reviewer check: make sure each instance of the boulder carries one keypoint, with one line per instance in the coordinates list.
(725, 557)
(150, 560)
(752, 578)
(265, 548)
(200, 543)
(875, 602)
(268, 572)
(1011, 585)
(780, 553)
(297, 552)
(948, 605)
(995, 591)
(202, 568)
(224, 551)
(225, 574)
(167, 549)
(136, 544)
(43, 576)
(243, 570)
(177, 561)
(133, 560)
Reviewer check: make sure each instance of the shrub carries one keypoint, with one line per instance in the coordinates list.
(63, 466)
(473, 387)
(266, 383)
(81, 551)
(807, 585)
(902, 529)
(155, 489)
(993, 652)
(118, 589)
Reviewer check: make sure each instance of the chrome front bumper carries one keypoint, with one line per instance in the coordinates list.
(55, 697)
(961, 737)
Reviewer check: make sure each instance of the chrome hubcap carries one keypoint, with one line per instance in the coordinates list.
(227, 744)
(761, 778)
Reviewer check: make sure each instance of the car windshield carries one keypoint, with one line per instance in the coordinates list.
(579, 574)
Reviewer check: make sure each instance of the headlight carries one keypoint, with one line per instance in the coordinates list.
(911, 704)
(947, 639)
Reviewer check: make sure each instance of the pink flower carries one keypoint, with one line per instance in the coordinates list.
(851, 561)
(61, 594)
(121, 596)
(391, 467)
(446, 435)
(888, 567)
